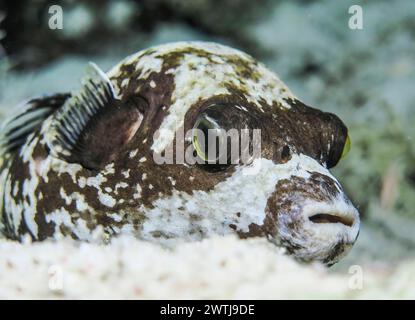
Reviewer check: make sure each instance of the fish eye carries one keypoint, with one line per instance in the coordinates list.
(346, 148)
(216, 139)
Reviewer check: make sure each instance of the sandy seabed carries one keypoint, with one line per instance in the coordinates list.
(217, 268)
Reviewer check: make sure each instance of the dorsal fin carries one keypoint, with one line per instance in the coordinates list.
(28, 119)
(68, 123)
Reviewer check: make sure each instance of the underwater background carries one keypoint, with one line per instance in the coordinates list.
(365, 76)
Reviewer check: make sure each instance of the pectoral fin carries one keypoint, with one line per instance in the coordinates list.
(94, 125)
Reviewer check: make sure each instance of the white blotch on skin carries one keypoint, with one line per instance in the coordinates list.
(125, 82)
(42, 168)
(62, 217)
(15, 188)
(137, 194)
(120, 185)
(109, 169)
(64, 196)
(106, 199)
(126, 173)
(133, 153)
(115, 216)
(80, 203)
(96, 181)
(61, 167)
(173, 182)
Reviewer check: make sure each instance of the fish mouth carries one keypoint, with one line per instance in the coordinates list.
(332, 218)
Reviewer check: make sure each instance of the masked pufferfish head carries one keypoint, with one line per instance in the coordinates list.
(285, 193)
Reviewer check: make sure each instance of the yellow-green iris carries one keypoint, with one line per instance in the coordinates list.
(196, 144)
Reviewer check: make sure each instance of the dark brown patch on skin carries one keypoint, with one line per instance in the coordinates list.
(291, 192)
(254, 230)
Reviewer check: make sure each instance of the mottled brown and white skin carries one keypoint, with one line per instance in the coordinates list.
(74, 162)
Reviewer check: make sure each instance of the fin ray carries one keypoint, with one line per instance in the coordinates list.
(28, 119)
(69, 122)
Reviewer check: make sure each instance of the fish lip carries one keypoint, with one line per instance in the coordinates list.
(332, 217)
(334, 224)
(329, 224)
(339, 212)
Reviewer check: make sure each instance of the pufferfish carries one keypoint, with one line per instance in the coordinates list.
(75, 162)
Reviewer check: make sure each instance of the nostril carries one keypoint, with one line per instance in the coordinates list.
(331, 218)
